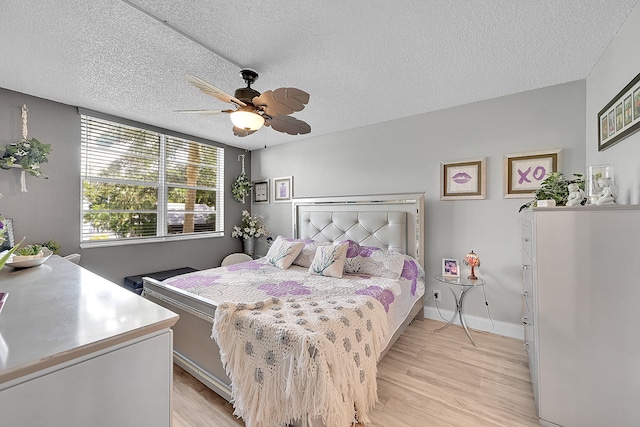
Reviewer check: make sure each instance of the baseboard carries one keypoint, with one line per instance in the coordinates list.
(479, 323)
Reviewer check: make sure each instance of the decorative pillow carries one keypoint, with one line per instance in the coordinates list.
(305, 257)
(373, 261)
(329, 260)
(282, 252)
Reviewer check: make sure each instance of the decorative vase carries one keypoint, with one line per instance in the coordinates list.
(249, 246)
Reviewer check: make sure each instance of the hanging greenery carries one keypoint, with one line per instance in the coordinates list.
(241, 187)
(28, 154)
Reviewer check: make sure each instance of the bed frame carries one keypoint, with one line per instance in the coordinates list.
(359, 218)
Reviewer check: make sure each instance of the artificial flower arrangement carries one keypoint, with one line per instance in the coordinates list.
(28, 154)
(250, 226)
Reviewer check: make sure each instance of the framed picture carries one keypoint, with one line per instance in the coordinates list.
(9, 240)
(261, 191)
(621, 116)
(282, 189)
(463, 180)
(524, 172)
(450, 267)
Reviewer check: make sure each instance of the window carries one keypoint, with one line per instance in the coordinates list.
(139, 184)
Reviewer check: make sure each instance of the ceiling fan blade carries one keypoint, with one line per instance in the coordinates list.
(207, 112)
(288, 124)
(242, 132)
(210, 89)
(282, 101)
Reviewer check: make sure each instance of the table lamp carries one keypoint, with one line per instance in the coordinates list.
(472, 260)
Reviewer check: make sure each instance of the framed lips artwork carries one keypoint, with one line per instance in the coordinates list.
(465, 179)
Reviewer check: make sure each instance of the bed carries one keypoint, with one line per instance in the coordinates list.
(393, 223)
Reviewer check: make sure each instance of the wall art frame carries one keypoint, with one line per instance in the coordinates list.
(282, 189)
(9, 239)
(620, 118)
(466, 179)
(261, 190)
(524, 172)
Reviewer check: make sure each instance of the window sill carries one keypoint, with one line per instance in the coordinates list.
(145, 240)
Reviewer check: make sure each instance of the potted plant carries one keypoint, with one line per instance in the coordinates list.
(241, 187)
(555, 187)
(249, 230)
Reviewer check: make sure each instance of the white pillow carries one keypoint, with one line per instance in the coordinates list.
(305, 258)
(329, 260)
(373, 261)
(282, 252)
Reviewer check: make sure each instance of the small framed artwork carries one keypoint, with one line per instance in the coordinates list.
(9, 240)
(261, 191)
(282, 189)
(621, 116)
(450, 267)
(524, 172)
(463, 180)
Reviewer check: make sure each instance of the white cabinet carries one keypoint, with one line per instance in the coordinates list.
(77, 350)
(581, 296)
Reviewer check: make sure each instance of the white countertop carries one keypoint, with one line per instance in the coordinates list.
(59, 311)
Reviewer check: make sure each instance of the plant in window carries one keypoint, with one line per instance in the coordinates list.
(241, 187)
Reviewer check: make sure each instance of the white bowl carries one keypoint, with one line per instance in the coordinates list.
(12, 262)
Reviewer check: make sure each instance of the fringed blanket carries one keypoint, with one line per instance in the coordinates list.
(288, 359)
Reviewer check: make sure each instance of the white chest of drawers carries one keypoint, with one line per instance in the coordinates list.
(581, 296)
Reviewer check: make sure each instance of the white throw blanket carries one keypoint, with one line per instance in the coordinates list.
(288, 359)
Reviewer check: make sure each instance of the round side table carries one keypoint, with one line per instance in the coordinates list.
(463, 285)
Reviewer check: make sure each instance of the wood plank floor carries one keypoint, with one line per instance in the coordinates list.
(426, 379)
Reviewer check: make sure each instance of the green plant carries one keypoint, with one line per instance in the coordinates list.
(29, 154)
(241, 187)
(52, 245)
(555, 187)
(29, 250)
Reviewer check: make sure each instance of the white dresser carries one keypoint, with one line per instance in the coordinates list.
(77, 350)
(581, 310)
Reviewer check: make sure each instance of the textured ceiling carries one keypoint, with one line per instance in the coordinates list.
(363, 62)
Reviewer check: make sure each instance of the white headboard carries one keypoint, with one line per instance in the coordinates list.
(390, 221)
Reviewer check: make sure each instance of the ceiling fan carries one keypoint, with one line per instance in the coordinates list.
(253, 110)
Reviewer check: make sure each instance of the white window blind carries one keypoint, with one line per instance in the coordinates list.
(139, 184)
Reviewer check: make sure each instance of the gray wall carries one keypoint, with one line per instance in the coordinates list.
(51, 208)
(404, 156)
(615, 69)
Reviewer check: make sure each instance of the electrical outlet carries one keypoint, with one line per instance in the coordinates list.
(436, 294)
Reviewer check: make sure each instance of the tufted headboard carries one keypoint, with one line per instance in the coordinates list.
(392, 221)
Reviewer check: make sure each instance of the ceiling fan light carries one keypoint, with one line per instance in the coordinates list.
(247, 120)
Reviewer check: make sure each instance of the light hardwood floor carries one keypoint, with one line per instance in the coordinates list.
(426, 379)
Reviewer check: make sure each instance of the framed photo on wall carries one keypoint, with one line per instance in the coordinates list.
(621, 116)
(450, 267)
(261, 191)
(282, 189)
(524, 172)
(463, 180)
(9, 240)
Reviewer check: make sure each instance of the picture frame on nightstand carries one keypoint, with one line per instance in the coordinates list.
(450, 267)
